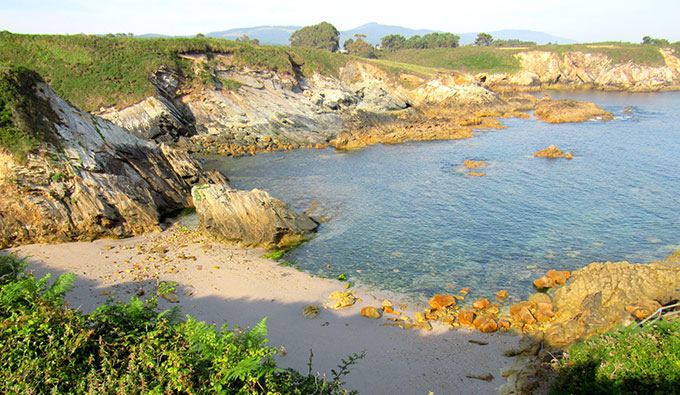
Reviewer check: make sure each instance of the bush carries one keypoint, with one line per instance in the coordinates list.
(131, 348)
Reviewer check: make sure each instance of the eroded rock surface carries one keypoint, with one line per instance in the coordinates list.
(553, 152)
(603, 295)
(567, 110)
(249, 218)
(97, 180)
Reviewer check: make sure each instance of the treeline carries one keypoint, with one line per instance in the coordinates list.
(394, 42)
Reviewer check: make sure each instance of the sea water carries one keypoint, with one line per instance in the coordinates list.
(407, 218)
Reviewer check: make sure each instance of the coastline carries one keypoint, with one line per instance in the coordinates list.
(223, 284)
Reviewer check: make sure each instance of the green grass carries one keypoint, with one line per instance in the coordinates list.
(93, 72)
(624, 361)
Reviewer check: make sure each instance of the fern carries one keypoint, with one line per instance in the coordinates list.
(56, 291)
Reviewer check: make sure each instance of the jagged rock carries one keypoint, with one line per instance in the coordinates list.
(502, 294)
(577, 69)
(558, 277)
(553, 152)
(441, 301)
(544, 282)
(466, 317)
(94, 180)
(340, 299)
(249, 218)
(567, 110)
(521, 313)
(596, 297)
(539, 298)
(371, 312)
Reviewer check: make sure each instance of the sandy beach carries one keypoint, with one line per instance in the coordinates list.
(230, 285)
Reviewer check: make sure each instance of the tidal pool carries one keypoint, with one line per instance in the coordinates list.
(407, 218)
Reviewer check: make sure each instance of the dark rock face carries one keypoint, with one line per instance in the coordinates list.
(249, 218)
(101, 182)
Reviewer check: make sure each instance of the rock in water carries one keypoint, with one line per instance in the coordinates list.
(441, 301)
(485, 324)
(567, 110)
(553, 152)
(253, 219)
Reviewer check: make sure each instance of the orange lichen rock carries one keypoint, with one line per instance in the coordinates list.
(471, 164)
(441, 301)
(553, 152)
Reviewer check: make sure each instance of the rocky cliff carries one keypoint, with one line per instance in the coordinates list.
(577, 69)
(90, 179)
(239, 110)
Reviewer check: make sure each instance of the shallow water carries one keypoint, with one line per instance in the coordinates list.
(407, 218)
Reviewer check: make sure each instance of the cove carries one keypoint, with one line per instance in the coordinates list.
(406, 218)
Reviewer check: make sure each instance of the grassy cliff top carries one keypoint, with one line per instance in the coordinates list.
(93, 71)
(475, 59)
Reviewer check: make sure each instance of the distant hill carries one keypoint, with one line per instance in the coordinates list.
(278, 35)
(272, 35)
(375, 32)
(524, 35)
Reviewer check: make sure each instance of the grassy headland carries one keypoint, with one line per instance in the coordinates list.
(93, 71)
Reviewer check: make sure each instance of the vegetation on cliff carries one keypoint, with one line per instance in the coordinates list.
(93, 72)
(25, 120)
(131, 347)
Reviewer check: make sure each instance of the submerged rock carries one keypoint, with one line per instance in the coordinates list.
(250, 218)
(567, 110)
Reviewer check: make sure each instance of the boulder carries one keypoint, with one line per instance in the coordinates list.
(485, 324)
(441, 301)
(371, 312)
(249, 218)
(603, 295)
(567, 110)
(544, 282)
(502, 294)
(521, 313)
(481, 304)
(340, 299)
(311, 311)
(466, 317)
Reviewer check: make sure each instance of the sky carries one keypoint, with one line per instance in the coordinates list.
(581, 20)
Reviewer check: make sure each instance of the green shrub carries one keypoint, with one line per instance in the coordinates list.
(625, 361)
(130, 348)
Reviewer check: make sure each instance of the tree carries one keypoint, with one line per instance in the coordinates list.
(359, 47)
(245, 39)
(200, 35)
(393, 42)
(321, 36)
(654, 41)
(484, 39)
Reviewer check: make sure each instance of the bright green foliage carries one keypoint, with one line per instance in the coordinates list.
(275, 255)
(129, 348)
(322, 36)
(625, 361)
(393, 42)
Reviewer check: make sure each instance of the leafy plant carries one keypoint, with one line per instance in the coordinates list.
(131, 348)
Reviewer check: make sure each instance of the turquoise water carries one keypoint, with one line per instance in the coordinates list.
(406, 218)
